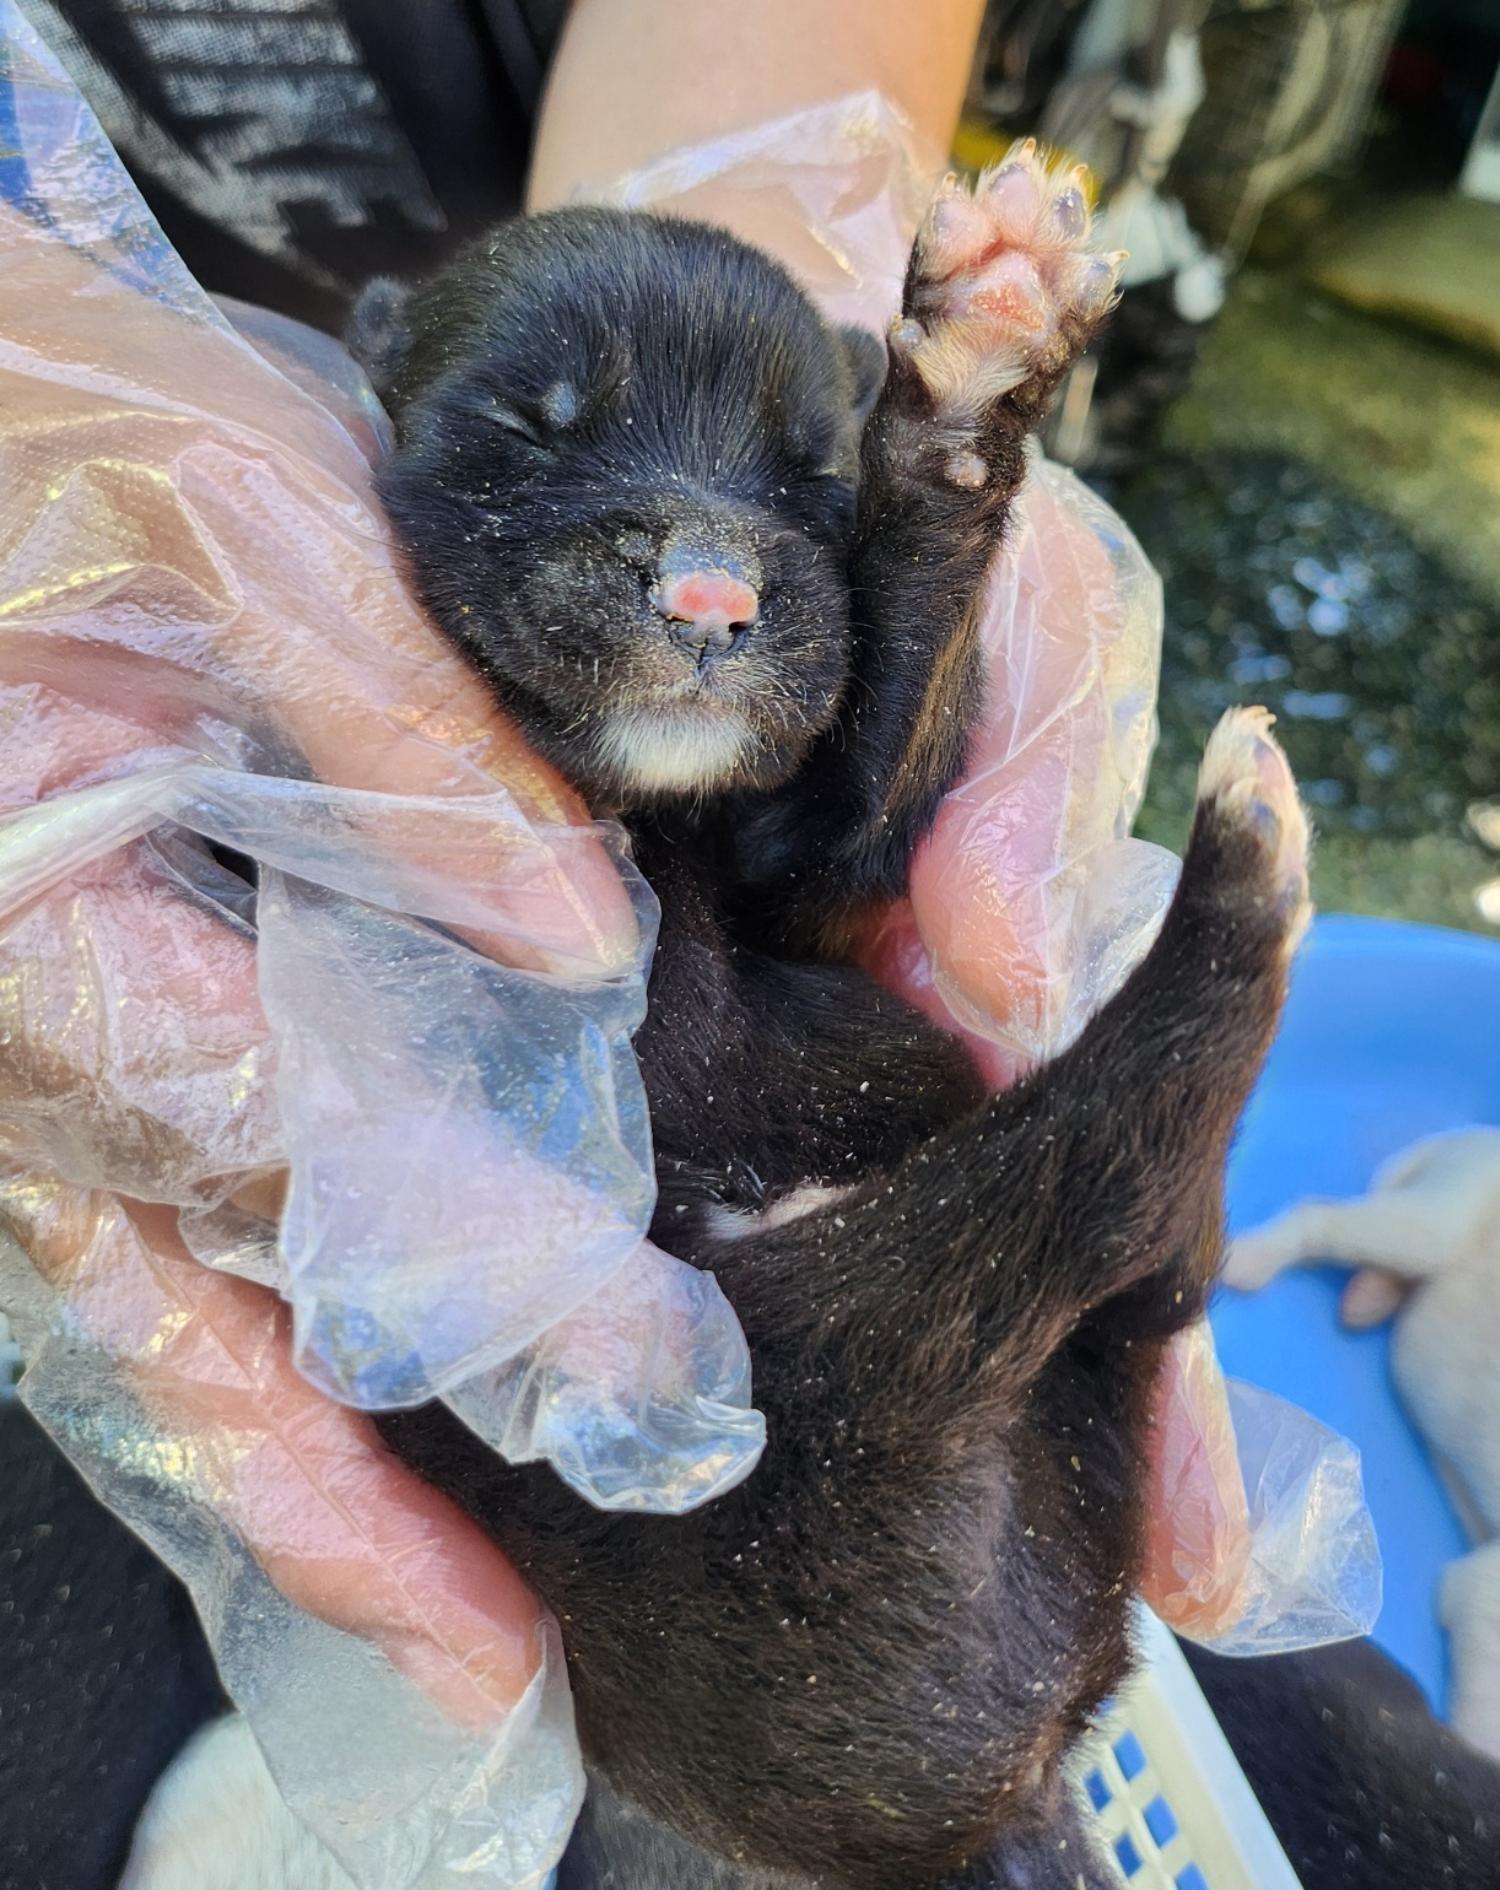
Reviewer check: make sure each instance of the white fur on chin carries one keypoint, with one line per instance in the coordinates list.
(674, 748)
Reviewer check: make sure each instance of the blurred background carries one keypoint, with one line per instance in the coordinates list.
(1298, 405)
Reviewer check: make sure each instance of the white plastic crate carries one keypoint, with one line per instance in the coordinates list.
(1175, 1808)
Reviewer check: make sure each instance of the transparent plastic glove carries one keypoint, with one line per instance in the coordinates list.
(1030, 903)
(1262, 1540)
(1198, 1550)
(205, 638)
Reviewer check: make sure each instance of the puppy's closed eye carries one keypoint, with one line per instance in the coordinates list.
(517, 419)
(560, 405)
(538, 421)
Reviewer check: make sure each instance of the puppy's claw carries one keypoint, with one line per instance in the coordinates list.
(1100, 279)
(1246, 779)
(1070, 213)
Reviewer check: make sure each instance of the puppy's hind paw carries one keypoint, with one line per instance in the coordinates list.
(1004, 286)
(1245, 783)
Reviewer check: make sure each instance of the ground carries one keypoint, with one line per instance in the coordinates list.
(1324, 512)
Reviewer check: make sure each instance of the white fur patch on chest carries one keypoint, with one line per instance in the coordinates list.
(727, 1223)
(217, 1822)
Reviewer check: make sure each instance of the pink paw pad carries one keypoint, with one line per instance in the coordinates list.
(1000, 268)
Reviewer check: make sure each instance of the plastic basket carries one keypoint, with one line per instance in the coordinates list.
(1176, 1811)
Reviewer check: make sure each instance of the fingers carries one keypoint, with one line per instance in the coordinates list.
(338, 1525)
(1000, 920)
(1198, 1522)
(137, 1052)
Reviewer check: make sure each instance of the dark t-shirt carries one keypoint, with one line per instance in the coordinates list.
(291, 149)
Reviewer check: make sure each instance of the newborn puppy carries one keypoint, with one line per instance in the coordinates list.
(633, 484)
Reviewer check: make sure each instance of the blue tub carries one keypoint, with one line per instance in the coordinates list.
(1392, 1033)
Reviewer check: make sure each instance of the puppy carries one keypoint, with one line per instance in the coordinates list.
(1426, 1239)
(633, 485)
(637, 484)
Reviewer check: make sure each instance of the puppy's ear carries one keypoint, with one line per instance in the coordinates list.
(865, 354)
(378, 332)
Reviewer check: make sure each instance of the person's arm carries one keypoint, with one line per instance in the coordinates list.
(634, 79)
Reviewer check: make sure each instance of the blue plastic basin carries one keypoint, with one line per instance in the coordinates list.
(1392, 1032)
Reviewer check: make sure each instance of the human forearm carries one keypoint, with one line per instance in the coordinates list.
(634, 79)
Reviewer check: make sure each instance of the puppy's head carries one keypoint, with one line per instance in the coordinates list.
(625, 477)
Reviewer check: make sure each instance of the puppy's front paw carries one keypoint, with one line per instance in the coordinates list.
(1004, 288)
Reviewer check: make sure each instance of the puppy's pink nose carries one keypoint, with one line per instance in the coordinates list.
(711, 601)
(708, 609)
(697, 596)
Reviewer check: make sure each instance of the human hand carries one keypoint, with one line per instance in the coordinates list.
(168, 518)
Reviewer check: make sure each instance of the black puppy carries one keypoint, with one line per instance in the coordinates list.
(633, 486)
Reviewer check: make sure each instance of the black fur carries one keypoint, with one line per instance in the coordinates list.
(104, 1671)
(868, 1665)
(1364, 1788)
